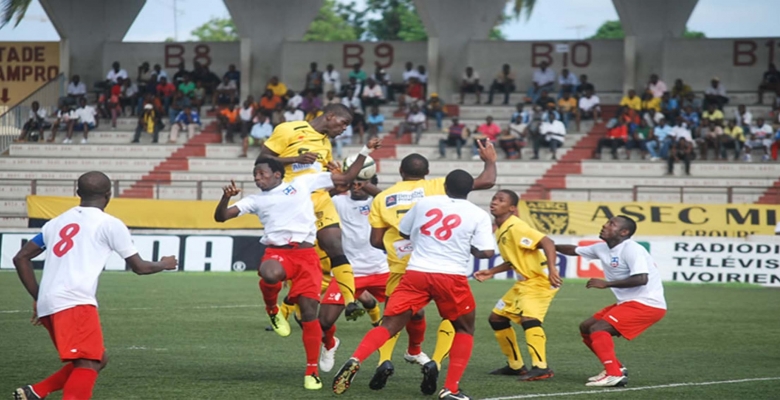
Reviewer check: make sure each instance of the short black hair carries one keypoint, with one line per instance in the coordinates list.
(513, 197)
(338, 110)
(275, 165)
(459, 183)
(415, 165)
(374, 180)
(628, 224)
(93, 185)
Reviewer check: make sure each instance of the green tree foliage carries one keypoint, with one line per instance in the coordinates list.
(216, 30)
(11, 8)
(614, 30)
(329, 25)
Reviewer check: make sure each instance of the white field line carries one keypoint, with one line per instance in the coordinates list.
(152, 308)
(671, 385)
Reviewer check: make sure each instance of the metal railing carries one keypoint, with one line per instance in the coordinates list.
(12, 119)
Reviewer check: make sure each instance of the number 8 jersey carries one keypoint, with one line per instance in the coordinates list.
(78, 244)
(443, 230)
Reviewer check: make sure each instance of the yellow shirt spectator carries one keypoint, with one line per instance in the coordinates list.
(279, 89)
(716, 115)
(632, 102)
(567, 105)
(652, 104)
(736, 133)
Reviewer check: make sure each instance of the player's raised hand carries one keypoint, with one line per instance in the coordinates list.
(482, 275)
(334, 167)
(486, 151)
(374, 143)
(555, 279)
(596, 283)
(231, 190)
(169, 262)
(306, 158)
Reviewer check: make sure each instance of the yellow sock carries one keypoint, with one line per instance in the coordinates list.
(386, 351)
(507, 341)
(444, 337)
(375, 313)
(537, 346)
(346, 279)
(286, 309)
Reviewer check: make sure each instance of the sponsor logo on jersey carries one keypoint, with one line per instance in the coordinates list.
(289, 190)
(390, 201)
(526, 242)
(404, 198)
(551, 217)
(406, 248)
(364, 210)
(614, 262)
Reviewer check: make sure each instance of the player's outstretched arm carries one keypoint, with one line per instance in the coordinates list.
(548, 246)
(486, 179)
(24, 267)
(631, 281)
(566, 249)
(377, 238)
(485, 274)
(143, 267)
(351, 173)
(223, 213)
(481, 253)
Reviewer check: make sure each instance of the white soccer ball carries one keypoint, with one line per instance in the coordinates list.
(369, 167)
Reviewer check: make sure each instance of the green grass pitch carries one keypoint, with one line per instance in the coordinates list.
(201, 336)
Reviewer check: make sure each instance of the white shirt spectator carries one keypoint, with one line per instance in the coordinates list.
(719, 91)
(231, 85)
(70, 273)
(587, 103)
(471, 79)
(262, 130)
(422, 77)
(354, 104)
(569, 80)
(130, 90)
(295, 101)
(416, 118)
(545, 77)
(682, 131)
(77, 90)
(412, 73)
(162, 74)
(295, 115)
(624, 260)
(114, 75)
(554, 130)
(355, 232)
(657, 89)
(245, 114)
(743, 119)
(763, 133)
(375, 92)
(65, 116)
(40, 114)
(445, 247)
(85, 115)
(332, 78)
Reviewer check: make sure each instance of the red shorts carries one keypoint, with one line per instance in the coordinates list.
(374, 284)
(76, 333)
(451, 293)
(302, 267)
(630, 318)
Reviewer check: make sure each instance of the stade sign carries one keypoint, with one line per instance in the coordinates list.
(24, 67)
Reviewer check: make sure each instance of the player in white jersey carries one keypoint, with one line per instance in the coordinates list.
(368, 263)
(445, 230)
(633, 277)
(287, 213)
(77, 245)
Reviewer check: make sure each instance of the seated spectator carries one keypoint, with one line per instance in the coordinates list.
(457, 134)
(228, 120)
(331, 79)
(35, 125)
(330, 98)
(310, 103)
(681, 150)
(775, 147)
(584, 86)
(589, 107)
(165, 91)
(470, 84)
(277, 117)
(504, 82)
(631, 100)
(233, 75)
(225, 93)
(543, 80)
(692, 101)
(355, 105)
(567, 82)
(769, 83)
(358, 73)
(511, 141)
(400, 88)
(709, 137)
(375, 123)
(638, 139)
(113, 105)
(761, 136)
(114, 73)
(487, 132)
(715, 94)
(188, 120)
(150, 122)
(680, 90)
(179, 102)
(670, 106)
(382, 79)
(293, 99)
(744, 117)
(269, 101)
(681, 129)
(279, 88)
(660, 141)
(414, 94)
(160, 72)
(544, 100)
(690, 117)
(261, 131)
(293, 114)
(616, 137)
(144, 74)
(435, 109)
(649, 107)
(76, 90)
(129, 96)
(372, 94)
(552, 134)
(567, 107)
(520, 122)
(414, 122)
(733, 137)
(210, 80)
(187, 87)
(313, 80)
(246, 116)
(656, 87)
(712, 114)
(65, 118)
(178, 77)
(85, 120)
(198, 96)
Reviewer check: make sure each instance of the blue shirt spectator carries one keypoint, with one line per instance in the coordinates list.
(376, 119)
(691, 117)
(192, 118)
(662, 131)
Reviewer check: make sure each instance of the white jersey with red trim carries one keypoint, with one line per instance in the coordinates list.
(356, 234)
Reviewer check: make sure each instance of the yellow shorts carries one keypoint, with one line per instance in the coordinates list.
(523, 300)
(324, 209)
(392, 282)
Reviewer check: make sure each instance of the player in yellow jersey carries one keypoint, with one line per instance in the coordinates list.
(387, 209)
(529, 253)
(304, 148)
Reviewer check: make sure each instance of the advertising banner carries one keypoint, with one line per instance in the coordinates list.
(26, 66)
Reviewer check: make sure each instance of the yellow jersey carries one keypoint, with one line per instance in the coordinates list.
(389, 207)
(517, 243)
(291, 139)
(635, 103)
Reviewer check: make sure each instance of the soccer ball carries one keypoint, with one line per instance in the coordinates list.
(369, 167)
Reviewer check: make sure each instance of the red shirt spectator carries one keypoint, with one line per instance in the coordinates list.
(415, 90)
(165, 89)
(618, 132)
(489, 130)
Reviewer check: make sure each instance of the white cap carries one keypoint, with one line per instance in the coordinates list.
(148, 107)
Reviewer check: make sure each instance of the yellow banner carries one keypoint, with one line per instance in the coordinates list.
(26, 66)
(147, 213)
(586, 218)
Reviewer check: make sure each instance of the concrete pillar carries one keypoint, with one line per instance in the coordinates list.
(647, 25)
(264, 26)
(451, 24)
(84, 27)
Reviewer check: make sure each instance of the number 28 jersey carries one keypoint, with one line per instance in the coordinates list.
(443, 230)
(78, 243)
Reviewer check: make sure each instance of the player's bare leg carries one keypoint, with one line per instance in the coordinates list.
(272, 275)
(460, 354)
(330, 343)
(507, 341)
(597, 335)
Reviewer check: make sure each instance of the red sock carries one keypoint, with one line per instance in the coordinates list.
(79, 385)
(53, 383)
(373, 340)
(312, 339)
(460, 353)
(328, 337)
(604, 348)
(416, 330)
(588, 342)
(270, 295)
